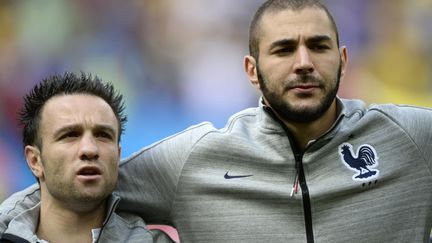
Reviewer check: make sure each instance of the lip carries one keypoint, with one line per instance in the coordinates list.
(305, 88)
(89, 173)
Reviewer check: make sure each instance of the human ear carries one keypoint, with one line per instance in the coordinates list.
(344, 59)
(34, 161)
(251, 70)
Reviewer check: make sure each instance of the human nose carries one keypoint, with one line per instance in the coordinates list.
(88, 148)
(303, 63)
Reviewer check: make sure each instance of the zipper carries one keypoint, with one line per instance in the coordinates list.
(307, 209)
(299, 178)
(111, 209)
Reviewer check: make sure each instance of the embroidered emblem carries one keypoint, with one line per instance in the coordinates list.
(226, 176)
(361, 162)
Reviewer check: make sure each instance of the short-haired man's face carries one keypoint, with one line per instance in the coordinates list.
(80, 152)
(299, 64)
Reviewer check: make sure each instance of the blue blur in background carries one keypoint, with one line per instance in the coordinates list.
(181, 62)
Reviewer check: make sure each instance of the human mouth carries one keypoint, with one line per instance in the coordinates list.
(304, 84)
(89, 173)
(304, 88)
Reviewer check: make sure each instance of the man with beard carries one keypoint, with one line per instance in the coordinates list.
(303, 166)
(71, 133)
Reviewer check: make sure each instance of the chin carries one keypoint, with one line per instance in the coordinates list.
(306, 105)
(92, 193)
(93, 197)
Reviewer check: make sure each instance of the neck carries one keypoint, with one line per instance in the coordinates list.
(306, 132)
(59, 223)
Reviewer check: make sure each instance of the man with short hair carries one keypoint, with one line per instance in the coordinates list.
(71, 132)
(303, 166)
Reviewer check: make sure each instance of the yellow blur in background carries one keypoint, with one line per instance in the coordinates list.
(180, 62)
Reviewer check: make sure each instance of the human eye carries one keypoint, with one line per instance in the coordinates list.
(319, 47)
(104, 135)
(69, 135)
(284, 51)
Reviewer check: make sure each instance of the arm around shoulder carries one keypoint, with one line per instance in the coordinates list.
(148, 179)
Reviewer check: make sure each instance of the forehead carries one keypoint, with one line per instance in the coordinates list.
(288, 24)
(77, 109)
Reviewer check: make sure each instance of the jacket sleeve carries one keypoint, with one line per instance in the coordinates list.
(420, 129)
(148, 179)
(417, 122)
(17, 203)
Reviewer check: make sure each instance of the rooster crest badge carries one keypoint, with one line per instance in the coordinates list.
(362, 162)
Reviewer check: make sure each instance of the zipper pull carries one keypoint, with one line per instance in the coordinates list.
(294, 188)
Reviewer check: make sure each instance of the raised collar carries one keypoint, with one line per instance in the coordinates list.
(25, 224)
(347, 110)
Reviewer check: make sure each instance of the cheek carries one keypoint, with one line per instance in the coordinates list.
(112, 172)
(57, 170)
(277, 72)
(60, 169)
(113, 166)
(48, 167)
(112, 162)
(329, 69)
(273, 77)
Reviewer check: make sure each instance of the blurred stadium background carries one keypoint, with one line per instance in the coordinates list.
(180, 62)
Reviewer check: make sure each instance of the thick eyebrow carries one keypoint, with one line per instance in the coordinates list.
(67, 129)
(292, 42)
(76, 127)
(283, 42)
(318, 39)
(106, 128)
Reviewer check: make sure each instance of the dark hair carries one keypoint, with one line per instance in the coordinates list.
(69, 83)
(276, 6)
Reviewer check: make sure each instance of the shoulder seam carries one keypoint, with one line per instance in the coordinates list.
(132, 224)
(133, 156)
(230, 125)
(22, 200)
(181, 170)
(403, 129)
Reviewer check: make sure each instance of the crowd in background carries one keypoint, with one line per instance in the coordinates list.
(180, 62)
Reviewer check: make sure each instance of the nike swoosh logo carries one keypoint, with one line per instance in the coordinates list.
(226, 176)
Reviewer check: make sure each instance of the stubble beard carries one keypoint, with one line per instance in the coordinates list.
(288, 111)
(62, 189)
(76, 198)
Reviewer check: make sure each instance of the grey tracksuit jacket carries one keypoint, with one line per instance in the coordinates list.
(367, 179)
(117, 227)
